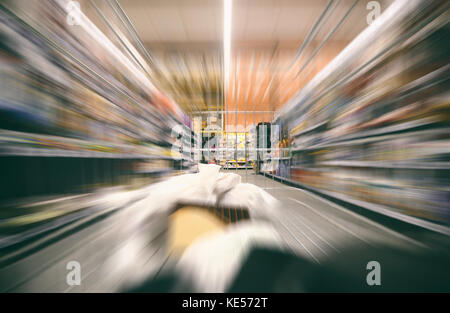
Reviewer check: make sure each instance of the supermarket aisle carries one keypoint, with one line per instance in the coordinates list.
(319, 229)
(358, 112)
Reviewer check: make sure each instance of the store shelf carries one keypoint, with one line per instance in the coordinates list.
(407, 126)
(379, 113)
(383, 164)
(309, 129)
(353, 142)
(154, 171)
(36, 152)
(387, 211)
(369, 206)
(82, 91)
(27, 144)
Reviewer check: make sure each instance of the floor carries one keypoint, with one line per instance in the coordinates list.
(319, 228)
(309, 225)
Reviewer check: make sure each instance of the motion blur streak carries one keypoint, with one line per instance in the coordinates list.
(327, 141)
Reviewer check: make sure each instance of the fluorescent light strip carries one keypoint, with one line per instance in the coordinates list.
(227, 40)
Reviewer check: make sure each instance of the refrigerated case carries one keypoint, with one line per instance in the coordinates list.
(237, 150)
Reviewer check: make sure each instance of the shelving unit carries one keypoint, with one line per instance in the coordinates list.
(83, 97)
(371, 128)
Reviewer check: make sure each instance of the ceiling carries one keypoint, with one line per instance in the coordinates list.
(197, 22)
(184, 37)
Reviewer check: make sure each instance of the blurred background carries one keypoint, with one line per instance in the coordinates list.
(337, 108)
